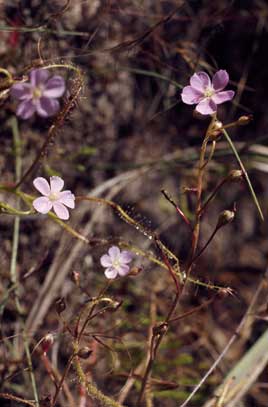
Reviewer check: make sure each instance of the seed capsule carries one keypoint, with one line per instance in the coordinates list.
(244, 120)
(84, 353)
(236, 175)
(47, 342)
(225, 217)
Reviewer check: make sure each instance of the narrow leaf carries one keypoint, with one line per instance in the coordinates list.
(255, 199)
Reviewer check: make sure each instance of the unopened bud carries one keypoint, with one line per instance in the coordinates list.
(60, 305)
(236, 175)
(115, 305)
(135, 271)
(244, 120)
(84, 353)
(225, 218)
(47, 342)
(217, 125)
(216, 130)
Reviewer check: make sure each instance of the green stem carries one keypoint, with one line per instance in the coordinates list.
(14, 255)
(13, 264)
(5, 72)
(92, 390)
(9, 210)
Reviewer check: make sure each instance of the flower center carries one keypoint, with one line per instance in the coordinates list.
(53, 196)
(116, 263)
(209, 92)
(37, 93)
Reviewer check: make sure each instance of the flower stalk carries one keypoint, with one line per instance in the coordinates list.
(91, 389)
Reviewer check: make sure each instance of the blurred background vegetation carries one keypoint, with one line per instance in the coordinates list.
(128, 137)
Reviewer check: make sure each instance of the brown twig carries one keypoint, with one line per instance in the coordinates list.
(200, 177)
(18, 399)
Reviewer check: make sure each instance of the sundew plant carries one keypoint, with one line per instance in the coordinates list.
(133, 198)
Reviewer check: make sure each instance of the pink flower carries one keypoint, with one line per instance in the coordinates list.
(53, 197)
(40, 95)
(207, 95)
(116, 262)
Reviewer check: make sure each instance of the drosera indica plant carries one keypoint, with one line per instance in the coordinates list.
(39, 93)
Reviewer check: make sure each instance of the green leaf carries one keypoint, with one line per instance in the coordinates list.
(255, 199)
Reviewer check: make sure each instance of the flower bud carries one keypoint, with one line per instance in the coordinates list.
(215, 130)
(217, 125)
(244, 120)
(225, 217)
(115, 305)
(47, 342)
(134, 271)
(236, 175)
(84, 352)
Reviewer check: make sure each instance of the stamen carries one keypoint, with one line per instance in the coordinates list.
(116, 263)
(53, 196)
(37, 93)
(209, 92)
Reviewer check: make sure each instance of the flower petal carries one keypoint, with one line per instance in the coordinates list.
(67, 198)
(55, 87)
(46, 107)
(125, 257)
(110, 273)
(123, 270)
(105, 261)
(220, 80)
(42, 186)
(21, 91)
(42, 205)
(25, 109)
(38, 76)
(200, 81)
(190, 95)
(114, 252)
(224, 96)
(61, 211)
(56, 184)
(206, 106)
